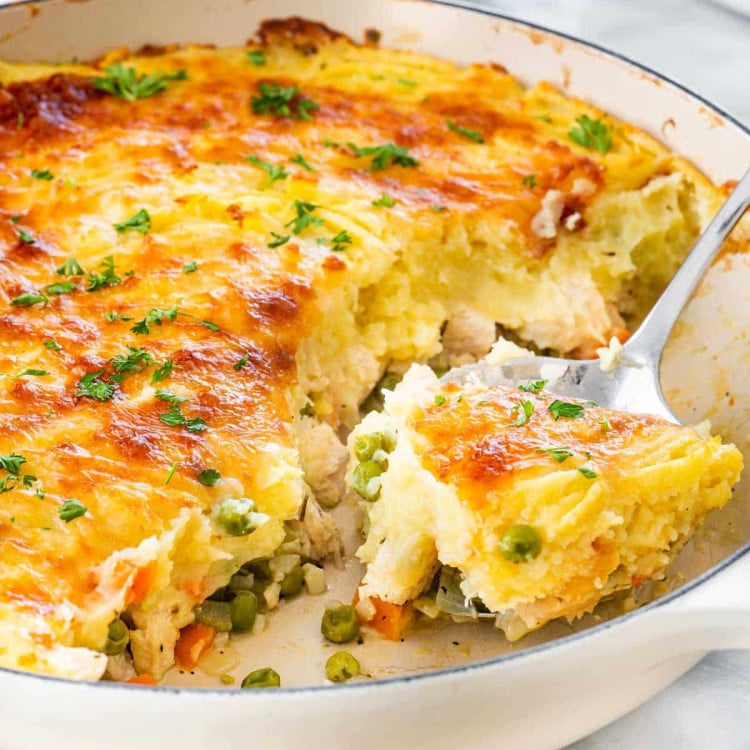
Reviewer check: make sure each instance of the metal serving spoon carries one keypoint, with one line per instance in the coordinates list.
(633, 384)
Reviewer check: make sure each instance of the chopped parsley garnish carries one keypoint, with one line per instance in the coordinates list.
(107, 277)
(560, 454)
(472, 135)
(15, 218)
(70, 510)
(163, 371)
(29, 299)
(127, 84)
(53, 346)
(279, 239)
(299, 159)
(241, 362)
(210, 325)
(439, 399)
(256, 57)
(340, 240)
(175, 418)
(71, 267)
(588, 473)
(43, 174)
(385, 201)
(565, 409)
(282, 101)
(140, 221)
(438, 209)
(26, 238)
(169, 397)
(112, 316)
(407, 82)
(154, 317)
(304, 217)
(172, 470)
(593, 134)
(209, 477)
(92, 386)
(136, 360)
(543, 118)
(34, 373)
(524, 409)
(385, 155)
(606, 425)
(63, 287)
(274, 171)
(533, 386)
(191, 267)
(12, 463)
(530, 181)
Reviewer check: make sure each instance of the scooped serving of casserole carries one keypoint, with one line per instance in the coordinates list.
(213, 262)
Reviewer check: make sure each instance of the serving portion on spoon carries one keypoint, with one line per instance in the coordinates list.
(532, 489)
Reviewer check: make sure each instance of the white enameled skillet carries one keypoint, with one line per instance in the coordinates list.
(542, 693)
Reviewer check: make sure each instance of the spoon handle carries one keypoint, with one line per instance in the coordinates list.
(647, 343)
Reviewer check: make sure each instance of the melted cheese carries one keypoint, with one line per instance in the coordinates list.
(300, 324)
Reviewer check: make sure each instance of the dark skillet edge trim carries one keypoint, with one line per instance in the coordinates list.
(484, 663)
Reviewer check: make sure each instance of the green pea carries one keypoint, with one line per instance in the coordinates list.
(242, 611)
(340, 623)
(293, 581)
(366, 446)
(118, 637)
(341, 666)
(520, 543)
(216, 615)
(361, 477)
(237, 517)
(262, 678)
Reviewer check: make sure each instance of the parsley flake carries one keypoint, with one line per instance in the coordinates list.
(524, 409)
(274, 171)
(282, 101)
(136, 360)
(43, 174)
(92, 386)
(304, 217)
(52, 345)
(385, 155)
(64, 287)
(279, 240)
(12, 463)
(154, 317)
(560, 453)
(175, 418)
(172, 471)
(29, 299)
(26, 238)
(209, 477)
(241, 362)
(533, 386)
(210, 325)
(299, 159)
(566, 409)
(163, 371)
(140, 221)
(191, 267)
(169, 397)
(472, 135)
(385, 201)
(70, 510)
(71, 267)
(32, 372)
(439, 399)
(256, 57)
(408, 82)
(112, 316)
(530, 181)
(340, 240)
(126, 83)
(606, 425)
(592, 134)
(107, 277)
(588, 473)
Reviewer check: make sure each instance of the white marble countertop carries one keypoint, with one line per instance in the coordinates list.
(707, 48)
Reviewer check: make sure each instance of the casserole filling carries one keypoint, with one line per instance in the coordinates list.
(209, 258)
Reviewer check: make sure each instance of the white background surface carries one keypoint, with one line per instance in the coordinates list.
(707, 48)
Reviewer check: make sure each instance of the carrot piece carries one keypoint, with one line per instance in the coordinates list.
(142, 679)
(194, 641)
(391, 620)
(141, 583)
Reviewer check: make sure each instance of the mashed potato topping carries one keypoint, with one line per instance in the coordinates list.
(209, 257)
